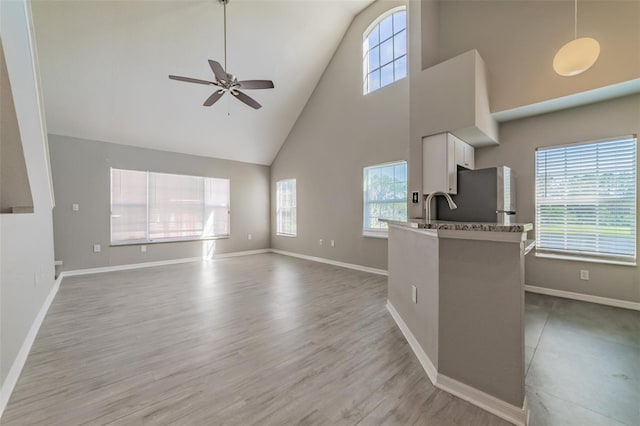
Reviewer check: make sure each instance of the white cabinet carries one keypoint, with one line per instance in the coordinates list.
(441, 156)
(465, 154)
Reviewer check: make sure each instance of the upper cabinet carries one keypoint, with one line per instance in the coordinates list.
(464, 153)
(441, 156)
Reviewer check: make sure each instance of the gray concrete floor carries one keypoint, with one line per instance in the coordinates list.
(582, 363)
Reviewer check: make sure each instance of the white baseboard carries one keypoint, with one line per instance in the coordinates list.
(332, 262)
(584, 297)
(241, 253)
(426, 363)
(21, 358)
(504, 410)
(114, 268)
(158, 263)
(516, 415)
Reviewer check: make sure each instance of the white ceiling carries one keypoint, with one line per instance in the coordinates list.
(104, 68)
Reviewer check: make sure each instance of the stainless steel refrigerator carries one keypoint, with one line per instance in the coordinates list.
(484, 195)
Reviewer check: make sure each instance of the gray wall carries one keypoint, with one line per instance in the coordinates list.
(518, 40)
(339, 132)
(26, 240)
(519, 140)
(80, 171)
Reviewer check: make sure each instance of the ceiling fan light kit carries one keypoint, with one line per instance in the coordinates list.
(226, 82)
(578, 55)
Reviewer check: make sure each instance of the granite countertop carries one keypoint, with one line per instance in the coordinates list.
(462, 226)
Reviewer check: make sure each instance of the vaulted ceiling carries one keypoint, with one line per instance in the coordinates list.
(104, 68)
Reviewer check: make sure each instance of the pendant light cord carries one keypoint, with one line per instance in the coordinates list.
(575, 21)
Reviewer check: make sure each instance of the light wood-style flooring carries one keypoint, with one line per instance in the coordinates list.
(264, 340)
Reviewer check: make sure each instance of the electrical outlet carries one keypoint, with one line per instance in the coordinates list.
(96, 248)
(320, 241)
(75, 207)
(414, 294)
(584, 274)
(333, 243)
(415, 197)
(249, 237)
(143, 249)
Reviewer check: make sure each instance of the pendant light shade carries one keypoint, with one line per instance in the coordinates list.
(576, 56)
(579, 54)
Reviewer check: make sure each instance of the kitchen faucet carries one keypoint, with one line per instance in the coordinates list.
(427, 203)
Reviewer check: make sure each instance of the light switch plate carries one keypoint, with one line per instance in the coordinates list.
(75, 207)
(414, 294)
(96, 248)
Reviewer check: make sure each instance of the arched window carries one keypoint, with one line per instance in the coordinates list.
(384, 50)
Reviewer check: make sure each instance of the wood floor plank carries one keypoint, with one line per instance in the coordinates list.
(264, 340)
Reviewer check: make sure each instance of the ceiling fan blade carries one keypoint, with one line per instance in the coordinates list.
(256, 84)
(246, 99)
(189, 79)
(218, 71)
(213, 98)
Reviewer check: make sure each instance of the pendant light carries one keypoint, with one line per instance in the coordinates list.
(578, 55)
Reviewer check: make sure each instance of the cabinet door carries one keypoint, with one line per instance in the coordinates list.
(464, 153)
(469, 157)
(438, 164)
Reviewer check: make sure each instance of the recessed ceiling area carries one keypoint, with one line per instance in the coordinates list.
(105, 64)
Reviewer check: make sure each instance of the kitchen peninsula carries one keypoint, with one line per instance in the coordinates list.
(456, 290)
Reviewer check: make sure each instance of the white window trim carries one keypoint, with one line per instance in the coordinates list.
(367, 31)
(584, 256)
(163, 240)
(377, 232)
(381, 18)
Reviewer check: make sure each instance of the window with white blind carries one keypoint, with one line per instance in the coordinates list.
(586, 200)
(154, 207)
(286, 220)
(385, 196)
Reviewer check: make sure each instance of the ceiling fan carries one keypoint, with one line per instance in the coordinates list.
(226, 82)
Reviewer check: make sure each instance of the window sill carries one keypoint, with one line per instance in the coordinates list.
(287, 235)
(164, 240)
(584, 259)
(382, 235)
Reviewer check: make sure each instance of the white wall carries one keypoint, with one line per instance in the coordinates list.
(14, 181)
(26, 240)
(339, 132)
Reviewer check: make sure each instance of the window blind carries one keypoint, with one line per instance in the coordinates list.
(586, 199)
(148, 207)
(286, 220)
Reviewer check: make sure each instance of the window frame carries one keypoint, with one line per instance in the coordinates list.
(366, 49)
(380, 232)
(148, 240)
(583, 255)
(294, 208)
